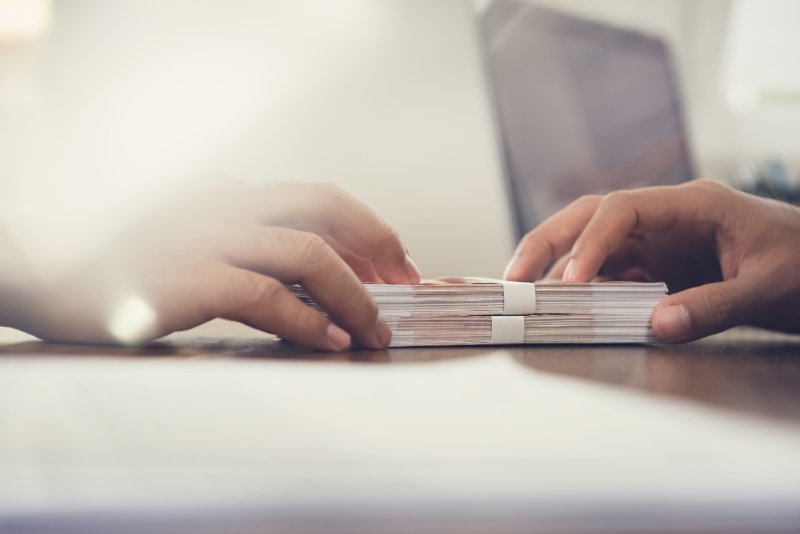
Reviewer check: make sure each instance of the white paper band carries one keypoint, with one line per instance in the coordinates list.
(519, 298)
(508, 329)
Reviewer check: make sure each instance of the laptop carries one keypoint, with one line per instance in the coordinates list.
(582, 107)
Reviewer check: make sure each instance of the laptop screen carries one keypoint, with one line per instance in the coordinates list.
(583, 107)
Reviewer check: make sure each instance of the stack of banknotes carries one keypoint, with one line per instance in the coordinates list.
(484, 311)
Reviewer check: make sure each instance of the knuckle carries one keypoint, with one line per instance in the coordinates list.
(312, 248)
(714, 186)
(528, 239)
(529, 242)
(705, 182)
(305, 319)
(263, 291)
(388, 239)
(716, 195)
(583, 204)
(585, 201)
(538, 242)
(548, 248)
(618, 198)
(717, 305)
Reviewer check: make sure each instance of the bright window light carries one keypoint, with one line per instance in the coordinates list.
(23, 20)
(762, 55)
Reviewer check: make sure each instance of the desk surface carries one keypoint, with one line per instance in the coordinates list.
(745, 370)
(227, 423)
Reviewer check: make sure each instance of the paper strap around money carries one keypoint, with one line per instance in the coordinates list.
(508, 329)
(519, 298)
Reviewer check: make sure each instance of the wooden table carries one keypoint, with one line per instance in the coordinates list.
(595, 459)
(745, 369)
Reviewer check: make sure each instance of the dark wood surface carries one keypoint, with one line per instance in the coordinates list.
(743, 370)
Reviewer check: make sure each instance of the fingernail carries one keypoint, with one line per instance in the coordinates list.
(569, 271)
(338, 337)
(672, 322)
(414, 276)
(384, 333)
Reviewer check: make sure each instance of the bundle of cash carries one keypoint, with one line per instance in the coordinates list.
(482, 311)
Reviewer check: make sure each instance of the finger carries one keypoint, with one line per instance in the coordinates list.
(652, 209)
(326, 209)
(622, 264)
(634, 274)
(265, 303)
(293, 257)
(705, 310)
(626, 258)
(557, 270)
(550, 240)
(363, 269)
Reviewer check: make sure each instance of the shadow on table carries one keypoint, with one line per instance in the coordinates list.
(744, 370)
(252, 347)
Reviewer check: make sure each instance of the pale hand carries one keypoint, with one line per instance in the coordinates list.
(226, 251)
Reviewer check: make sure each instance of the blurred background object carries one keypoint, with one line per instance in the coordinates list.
(104, 106)
(761, 82)
(768, 178)
(24, 20)
(583, 107)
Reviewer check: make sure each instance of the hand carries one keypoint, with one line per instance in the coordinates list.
(227, 251)
(729, 258)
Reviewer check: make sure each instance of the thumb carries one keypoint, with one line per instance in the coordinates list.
(702, 311)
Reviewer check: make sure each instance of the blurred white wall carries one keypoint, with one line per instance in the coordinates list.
(399, 115)
(384, 97)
